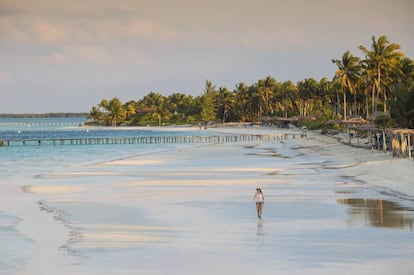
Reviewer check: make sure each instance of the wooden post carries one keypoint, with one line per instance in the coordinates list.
(409, 146)
(370, 140)
(384, 142)
(357, 134)
(403, 146)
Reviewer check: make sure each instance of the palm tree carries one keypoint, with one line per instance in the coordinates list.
(407, 69)
(226, 101)
(95, 114)
(285, 97)
(265, 89)
(254, 106)
(381, 58)
(307, 92)
(182, 105)
(115, 111)
(349, 70)
(130, 109)
(208, 104)
(154, 102)
(241, 99)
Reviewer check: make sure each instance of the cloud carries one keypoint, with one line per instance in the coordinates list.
(79, 54)
(50, 34)
(6, 78)
(10, 31)
(11, 6)
(149, 29)
(277, 38)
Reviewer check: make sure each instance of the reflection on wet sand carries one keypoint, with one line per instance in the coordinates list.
(379, 213)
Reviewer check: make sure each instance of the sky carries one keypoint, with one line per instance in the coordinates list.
(68, 55)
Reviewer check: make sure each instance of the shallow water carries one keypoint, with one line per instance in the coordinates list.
(15, 248)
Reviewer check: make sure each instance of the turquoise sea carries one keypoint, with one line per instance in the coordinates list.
(33, 159)
(21, 164)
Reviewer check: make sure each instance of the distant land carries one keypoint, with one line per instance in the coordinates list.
(45, 115)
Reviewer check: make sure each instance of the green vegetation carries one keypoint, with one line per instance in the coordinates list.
(382, 80)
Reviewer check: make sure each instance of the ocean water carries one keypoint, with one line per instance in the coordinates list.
(22, 165)
(30, 159)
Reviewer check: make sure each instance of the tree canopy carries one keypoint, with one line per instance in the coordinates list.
(382, 80)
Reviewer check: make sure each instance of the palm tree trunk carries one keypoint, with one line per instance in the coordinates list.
(373, 98)
(344, 105)
(379, 89)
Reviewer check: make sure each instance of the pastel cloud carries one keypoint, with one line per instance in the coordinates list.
(49, 33)
(9, 30)
(78, 54)
(145, 28)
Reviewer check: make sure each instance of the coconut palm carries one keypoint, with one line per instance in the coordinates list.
(286, 97)
(208, 103)
(307, 93)
(382, 57)
(241, 99)
(96, 115)
(407, 69)
(226, 99)
(349, 70)
(266, 89)
(115, 111)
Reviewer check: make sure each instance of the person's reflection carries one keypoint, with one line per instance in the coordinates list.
(259, 232)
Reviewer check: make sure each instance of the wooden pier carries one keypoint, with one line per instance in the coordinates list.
(149, 140)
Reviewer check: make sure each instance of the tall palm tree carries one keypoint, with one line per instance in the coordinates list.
(349, 70)
(285, 97)
(226, 99)
(266, 89)
(241, 99)
(307, 91)
(208, 103)
(381, 58)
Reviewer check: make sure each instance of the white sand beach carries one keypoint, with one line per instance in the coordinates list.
(329, 208)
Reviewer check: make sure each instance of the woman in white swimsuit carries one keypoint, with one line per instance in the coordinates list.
(259, 199)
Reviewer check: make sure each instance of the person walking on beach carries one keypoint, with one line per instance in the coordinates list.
(259, 199)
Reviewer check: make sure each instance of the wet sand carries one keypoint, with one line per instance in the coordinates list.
(329, 208)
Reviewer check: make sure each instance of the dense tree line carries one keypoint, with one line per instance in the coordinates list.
(383, 81)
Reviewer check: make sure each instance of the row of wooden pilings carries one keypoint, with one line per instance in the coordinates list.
(399, 141)
(151, 140)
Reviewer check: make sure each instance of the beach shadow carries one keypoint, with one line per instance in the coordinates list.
(268, 152)
(295, 172)
(351, 180)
